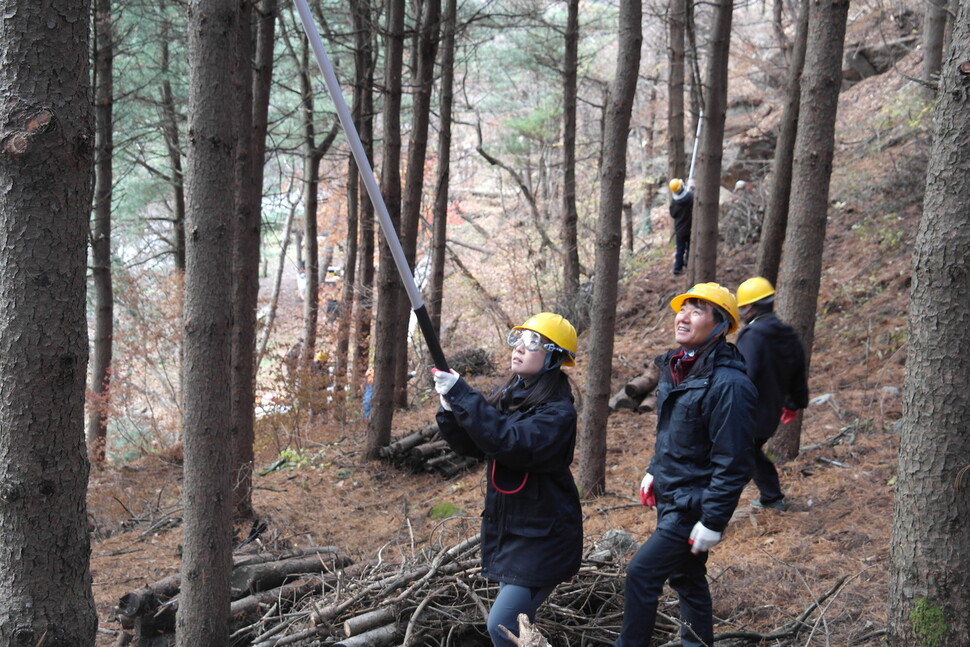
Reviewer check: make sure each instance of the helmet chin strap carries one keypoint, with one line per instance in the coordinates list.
(718, 329)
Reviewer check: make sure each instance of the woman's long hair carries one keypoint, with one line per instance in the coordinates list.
(548, 385)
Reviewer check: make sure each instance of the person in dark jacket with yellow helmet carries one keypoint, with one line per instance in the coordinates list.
(532, 529)
(682, 212)
(775, 361)
(701, 462)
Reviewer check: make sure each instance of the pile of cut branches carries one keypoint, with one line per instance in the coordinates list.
(425, 451)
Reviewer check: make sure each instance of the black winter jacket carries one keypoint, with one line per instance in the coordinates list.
(704, 452)
(775, 362)
(682, 211)
(532, 528)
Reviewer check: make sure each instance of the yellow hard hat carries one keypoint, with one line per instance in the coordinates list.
(557, 329)
(676, 185)
(321, 356)
(754, 289)
(712, 293)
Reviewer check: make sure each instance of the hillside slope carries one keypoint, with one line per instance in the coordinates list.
(772, 565)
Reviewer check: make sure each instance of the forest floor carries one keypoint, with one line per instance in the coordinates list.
(771, 565)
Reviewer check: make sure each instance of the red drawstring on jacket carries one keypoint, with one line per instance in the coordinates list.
(525, 480)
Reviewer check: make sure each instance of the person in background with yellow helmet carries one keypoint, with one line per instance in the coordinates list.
(775, 361)
(532, 527)
(681, 210)
(701, 462)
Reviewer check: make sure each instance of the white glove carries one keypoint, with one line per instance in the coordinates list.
(702, 538)
(690, 183)
(647, 496)
(444, 381)
(444, 403)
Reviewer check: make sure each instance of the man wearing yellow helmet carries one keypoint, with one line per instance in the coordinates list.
(701, 462)
(681, 210)
(532, 526)
(775, 361)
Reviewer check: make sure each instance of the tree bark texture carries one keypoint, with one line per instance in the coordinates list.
(677, 21)
(203, 613)
(702, 266)
(929, 574)
(801, 266)
(46, 160)
(97, 432)
(387, 333)
(428, 27)
(245, 267)
(776, 210)
(570, 218)
(592, 431)
(439, 237)
(934, 28)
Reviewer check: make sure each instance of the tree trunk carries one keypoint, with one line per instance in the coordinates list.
(703, 240)
(429, 23)
(97, 433)
(776, 211)
(170, 131)
(592, 438)
(46, 159)
(311, 183)
(801, 267)
(570, 218)
(934, 28)
(364, 304)
(440, 219)
(387, 333)
(929, 585)
(676, 158)
(245, 267)
(203, 613)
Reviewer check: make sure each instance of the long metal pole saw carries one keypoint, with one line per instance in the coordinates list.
(697, 139)
(367, 175)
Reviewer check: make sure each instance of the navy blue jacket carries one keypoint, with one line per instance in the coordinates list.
(704, 451)
(682, 211)
(532, 527)
(775, 362)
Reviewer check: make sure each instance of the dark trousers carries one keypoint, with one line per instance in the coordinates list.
(680, 256)
(765, 475)
(665, 557)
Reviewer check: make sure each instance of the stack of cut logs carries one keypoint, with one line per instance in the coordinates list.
(426, 451)
(316, 596)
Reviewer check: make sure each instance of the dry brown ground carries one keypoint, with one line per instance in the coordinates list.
(770, 566)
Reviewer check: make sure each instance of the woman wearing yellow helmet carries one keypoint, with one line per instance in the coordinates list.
(532, 529)
(701, 462)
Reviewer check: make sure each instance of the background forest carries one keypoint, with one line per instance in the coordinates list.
(522, 151)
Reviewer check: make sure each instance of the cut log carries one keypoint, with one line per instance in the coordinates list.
(370, 620)
(252, 578)
(253, 604)
(379, 637)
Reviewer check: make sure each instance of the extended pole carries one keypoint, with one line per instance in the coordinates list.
(367, 175)
(697, 139)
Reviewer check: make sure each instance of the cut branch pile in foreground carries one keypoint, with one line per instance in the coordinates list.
(426, 451)
(315, 597)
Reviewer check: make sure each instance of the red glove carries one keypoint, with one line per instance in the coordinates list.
(647, 496)
(788, 415)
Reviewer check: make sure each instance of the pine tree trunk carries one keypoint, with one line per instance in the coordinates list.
(702, 265)
(570, 218)
(46, 157)
(203, 613)
(676, 158)
(592, 430)
(387, 334)
(934, 28)
(801, 268)
(97, 432)
(776, 210)
(929, 572)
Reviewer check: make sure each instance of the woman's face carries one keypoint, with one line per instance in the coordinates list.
(526, 363)
(694, 323)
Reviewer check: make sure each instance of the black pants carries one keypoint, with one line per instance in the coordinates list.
(680, 256)
(765, 475)
(665, 557)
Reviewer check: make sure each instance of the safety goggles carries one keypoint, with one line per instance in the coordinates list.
(530, 339)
